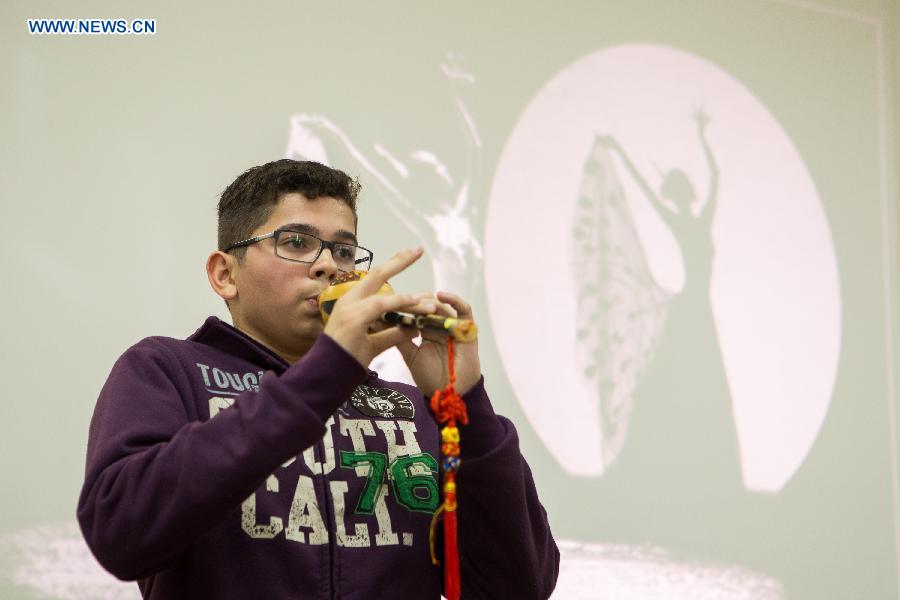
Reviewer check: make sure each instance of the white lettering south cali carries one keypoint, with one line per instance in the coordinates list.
(305, 524)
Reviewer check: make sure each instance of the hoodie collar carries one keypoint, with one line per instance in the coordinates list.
(218, 334)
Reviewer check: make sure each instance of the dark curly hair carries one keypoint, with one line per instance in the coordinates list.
(250, 199)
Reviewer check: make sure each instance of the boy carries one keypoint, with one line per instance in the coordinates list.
(265, 460)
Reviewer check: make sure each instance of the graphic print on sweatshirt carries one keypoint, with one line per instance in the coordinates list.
(382, 487)
(382, 402)
(220, 381)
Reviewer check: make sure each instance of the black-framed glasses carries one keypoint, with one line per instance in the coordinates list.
(306, 248)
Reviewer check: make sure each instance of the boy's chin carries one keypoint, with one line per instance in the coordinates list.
(309, 329)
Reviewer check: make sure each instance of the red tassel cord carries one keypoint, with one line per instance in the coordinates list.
(448, 407)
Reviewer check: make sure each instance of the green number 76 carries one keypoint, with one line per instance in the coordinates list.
(415, 490)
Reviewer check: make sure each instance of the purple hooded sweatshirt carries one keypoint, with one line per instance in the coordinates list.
(216, 470)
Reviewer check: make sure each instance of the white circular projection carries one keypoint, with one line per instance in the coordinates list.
(773, 287)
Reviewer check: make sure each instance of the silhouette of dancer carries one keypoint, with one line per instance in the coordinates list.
(417, 187)
(679, 467)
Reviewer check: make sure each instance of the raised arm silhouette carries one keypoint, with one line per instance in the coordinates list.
(680, 460)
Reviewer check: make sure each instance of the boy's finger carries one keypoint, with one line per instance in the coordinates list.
(394, 336)
(463, 308)
(445, 310)
(370, 309)
(379, 275)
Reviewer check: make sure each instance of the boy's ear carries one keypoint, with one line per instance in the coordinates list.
(220, 268)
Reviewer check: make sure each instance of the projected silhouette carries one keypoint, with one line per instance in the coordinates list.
(670, 439)
(418, 187)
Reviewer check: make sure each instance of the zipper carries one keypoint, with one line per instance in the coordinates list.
(330, 526)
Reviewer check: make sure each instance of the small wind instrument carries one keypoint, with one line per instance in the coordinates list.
(462, 330)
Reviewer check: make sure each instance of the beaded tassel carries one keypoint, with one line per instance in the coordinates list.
(448, 406)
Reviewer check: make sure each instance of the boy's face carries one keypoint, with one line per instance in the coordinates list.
(276, 298)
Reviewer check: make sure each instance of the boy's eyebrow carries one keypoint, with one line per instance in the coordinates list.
(347, 235)
(342, 234)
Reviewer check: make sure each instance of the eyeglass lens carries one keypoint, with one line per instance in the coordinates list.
(305, 248)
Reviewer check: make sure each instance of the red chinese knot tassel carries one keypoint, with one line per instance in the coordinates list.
(448, 407)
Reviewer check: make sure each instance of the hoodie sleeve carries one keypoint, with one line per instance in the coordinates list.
(506, 547)
(156, 478)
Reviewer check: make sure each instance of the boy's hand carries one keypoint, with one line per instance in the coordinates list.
(428, 361)
(355, 311)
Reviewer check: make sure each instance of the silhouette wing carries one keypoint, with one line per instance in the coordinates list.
(621, 309)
